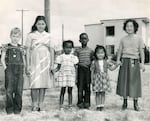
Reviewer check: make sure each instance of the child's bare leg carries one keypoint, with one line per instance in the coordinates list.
(97, 98)
(62, 93)
(103, 98)
(70, 96)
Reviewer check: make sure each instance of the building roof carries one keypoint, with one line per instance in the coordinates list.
(144, 19)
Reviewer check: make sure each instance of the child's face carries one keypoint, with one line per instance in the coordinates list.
(84, 39)
(68, 48)
(40, 25)
(100, 54)
(130, 28)
(15, 38)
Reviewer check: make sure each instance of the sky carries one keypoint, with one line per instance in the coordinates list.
(73, 14)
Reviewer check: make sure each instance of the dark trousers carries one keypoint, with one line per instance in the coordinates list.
(83, 85)
(14, 88)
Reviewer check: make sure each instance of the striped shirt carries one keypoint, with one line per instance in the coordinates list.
(85, 56)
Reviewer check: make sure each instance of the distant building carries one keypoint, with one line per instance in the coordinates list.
(109, 32)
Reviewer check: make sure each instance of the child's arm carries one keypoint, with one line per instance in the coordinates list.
(3, 59)
(25, 64)
(76, 72)
(24, 56)
(24, 61)
(92, 56)
(92, 81)
(92, 68)
(28, 45)
(113, 65)
(56, 69)
(75, 66)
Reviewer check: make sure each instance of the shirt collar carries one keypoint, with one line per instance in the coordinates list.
(41, 33)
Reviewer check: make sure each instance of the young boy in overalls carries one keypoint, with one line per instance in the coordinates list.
(13, 63)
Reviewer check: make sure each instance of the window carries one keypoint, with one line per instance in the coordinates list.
(110, 31)
(110, 49)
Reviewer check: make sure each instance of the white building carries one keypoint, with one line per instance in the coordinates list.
(109, 32)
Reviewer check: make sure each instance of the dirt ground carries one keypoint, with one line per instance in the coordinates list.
(50, 110)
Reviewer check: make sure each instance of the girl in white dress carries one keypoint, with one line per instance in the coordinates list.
(67, 71)
(40, 58)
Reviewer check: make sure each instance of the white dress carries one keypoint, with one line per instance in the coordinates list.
(39, 59)
(67, 73)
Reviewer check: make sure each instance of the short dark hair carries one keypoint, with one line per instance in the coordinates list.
(66, 42)
(98, 47)
(135, 24)
(82, 35)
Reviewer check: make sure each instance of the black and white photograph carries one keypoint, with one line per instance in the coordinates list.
(81, 60)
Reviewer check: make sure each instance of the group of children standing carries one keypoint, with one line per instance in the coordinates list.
(82, 67)
(91, 67)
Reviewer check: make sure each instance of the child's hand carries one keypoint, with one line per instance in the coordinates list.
(5, 67)
(76, 82)
(52, 71)
(104, 75)
(119, 63)
(28, 70)
(142, 67)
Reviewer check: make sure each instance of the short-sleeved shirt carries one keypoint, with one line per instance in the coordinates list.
(67, 73)
(130, 46)
(85, 56)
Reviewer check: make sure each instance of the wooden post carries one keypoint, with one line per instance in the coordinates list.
(47, 12)
(62, 32)
(22, 15)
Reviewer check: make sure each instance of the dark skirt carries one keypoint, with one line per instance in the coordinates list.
(129, 79)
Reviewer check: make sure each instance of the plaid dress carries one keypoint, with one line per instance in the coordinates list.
(100, 80)
(67, 73)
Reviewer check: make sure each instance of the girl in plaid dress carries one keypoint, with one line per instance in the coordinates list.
(99, 76)
(67, 71)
